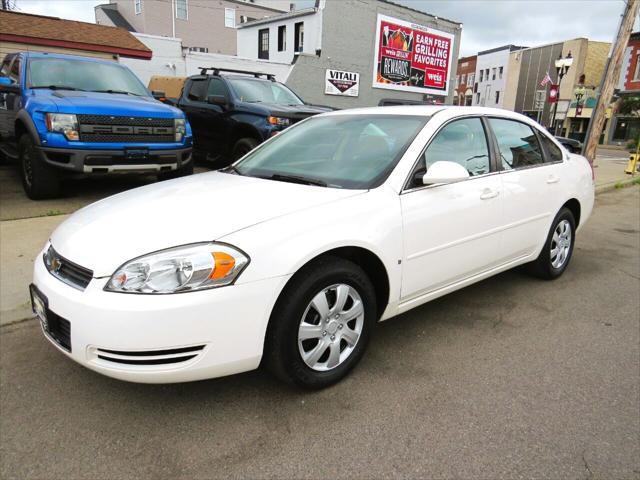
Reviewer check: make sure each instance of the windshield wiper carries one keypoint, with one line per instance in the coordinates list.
(231, 169)
(296, 179)
(116, 91)
(58, 87)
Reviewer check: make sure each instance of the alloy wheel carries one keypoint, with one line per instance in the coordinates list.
(560, 244)
(330, 327)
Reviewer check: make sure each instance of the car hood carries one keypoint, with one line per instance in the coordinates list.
(290, 111)
(199, 208)
(108, 104)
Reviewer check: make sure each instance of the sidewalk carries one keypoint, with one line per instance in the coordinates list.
(22, 240)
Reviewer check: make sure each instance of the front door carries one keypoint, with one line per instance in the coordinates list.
(452, 232)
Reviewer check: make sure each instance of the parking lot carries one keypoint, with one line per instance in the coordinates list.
(512, 377)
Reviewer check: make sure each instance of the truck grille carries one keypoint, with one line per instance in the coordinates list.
(66, 271)
(110, 129)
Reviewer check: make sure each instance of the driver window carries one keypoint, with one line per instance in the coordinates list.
(461, 141)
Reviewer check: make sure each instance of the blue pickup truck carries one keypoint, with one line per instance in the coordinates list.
(65, 114)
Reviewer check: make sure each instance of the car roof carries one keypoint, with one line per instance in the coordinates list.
(430, 110)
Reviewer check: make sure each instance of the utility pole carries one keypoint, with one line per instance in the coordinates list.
(610, 78)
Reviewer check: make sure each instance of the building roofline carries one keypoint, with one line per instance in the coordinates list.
(277, 18)
(467, 58)
(436, 17)
(510, 47)
(255, 5)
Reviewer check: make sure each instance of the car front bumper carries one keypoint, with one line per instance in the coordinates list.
(110, 161)
(160, 338)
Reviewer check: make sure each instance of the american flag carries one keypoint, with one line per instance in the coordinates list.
(545, 80)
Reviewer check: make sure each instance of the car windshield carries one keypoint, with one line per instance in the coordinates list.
(63, 73)
(344, 151)
(255, 90)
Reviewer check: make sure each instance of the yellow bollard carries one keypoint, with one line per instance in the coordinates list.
(633, 164)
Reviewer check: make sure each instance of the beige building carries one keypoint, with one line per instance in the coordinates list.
(203, 25)
(527, 68)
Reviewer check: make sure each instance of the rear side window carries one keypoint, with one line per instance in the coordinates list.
(4, 69)
(461, 141)
(216, 87)
(197, 90)
(554, 154)
(517, 142)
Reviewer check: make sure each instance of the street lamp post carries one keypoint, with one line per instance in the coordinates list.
(562, 67)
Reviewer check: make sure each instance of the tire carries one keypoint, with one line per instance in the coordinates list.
(243, 146)
(549, 265)
(330, 278)
(180, 172)
(39, 180)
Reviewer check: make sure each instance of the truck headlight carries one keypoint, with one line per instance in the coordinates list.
(65, 123)
(180, 269)
(281, 121)
(179, 128)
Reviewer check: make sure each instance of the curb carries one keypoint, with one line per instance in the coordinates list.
(616, 184)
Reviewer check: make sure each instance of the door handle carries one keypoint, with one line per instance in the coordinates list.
(487, 193)
(553, 179)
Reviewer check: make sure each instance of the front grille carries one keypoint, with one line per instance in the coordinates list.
(150, 357)
(59, 330)
(112, 129)
(65, 270)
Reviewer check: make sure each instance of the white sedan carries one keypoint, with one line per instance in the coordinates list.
(290, 256)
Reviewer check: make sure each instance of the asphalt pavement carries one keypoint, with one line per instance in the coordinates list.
(509, 378)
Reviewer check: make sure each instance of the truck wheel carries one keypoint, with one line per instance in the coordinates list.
(180, 172)
(243, 146)
(39, 180)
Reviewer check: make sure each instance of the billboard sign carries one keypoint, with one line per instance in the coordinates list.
(411, 57)
(338, 82)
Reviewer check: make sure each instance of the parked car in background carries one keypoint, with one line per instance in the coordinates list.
(233, 111)
(63, 114)
(574, 146)
(343, 220)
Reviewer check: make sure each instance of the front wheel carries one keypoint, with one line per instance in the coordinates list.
(557, 250)
(321, 324)
(39, 180)
(243, 146)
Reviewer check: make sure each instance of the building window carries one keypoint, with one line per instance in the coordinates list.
(481, 73)
(137, 6)
(282, 38)
(636, 75)
(230, 17)
(182, 9)
(299, 37)
(477, 97)
(263, 44)
(471, 78)
(497, 97)
(493, 71)
(500, 70)
(457, 80)
(199, 49)
(463, 79)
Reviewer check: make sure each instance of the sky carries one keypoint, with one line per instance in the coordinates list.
(486, 23)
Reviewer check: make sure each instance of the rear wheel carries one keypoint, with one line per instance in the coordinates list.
(39, 180)
(243, 146)
(321, 324)
(557, 250)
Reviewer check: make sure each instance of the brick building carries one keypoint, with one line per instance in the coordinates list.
(465, 81)
(626, 126)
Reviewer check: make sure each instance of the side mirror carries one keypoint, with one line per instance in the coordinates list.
(158, 94)
(219, 100)
(8, 86)
(445, 172)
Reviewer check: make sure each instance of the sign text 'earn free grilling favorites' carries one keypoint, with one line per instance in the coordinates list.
(411, 57)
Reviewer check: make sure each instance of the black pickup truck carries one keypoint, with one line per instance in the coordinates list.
(233, 111)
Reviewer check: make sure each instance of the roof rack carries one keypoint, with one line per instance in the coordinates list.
(216, 71)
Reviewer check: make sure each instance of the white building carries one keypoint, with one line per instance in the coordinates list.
(279, 38)
(491, 76)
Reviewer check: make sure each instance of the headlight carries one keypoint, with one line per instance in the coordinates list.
(283, 122)
(180, 269)
(179, 128)
(65, 123)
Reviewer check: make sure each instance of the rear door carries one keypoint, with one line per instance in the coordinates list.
(452, 232)
(193, 104)
(9, 102)
(532, 184)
